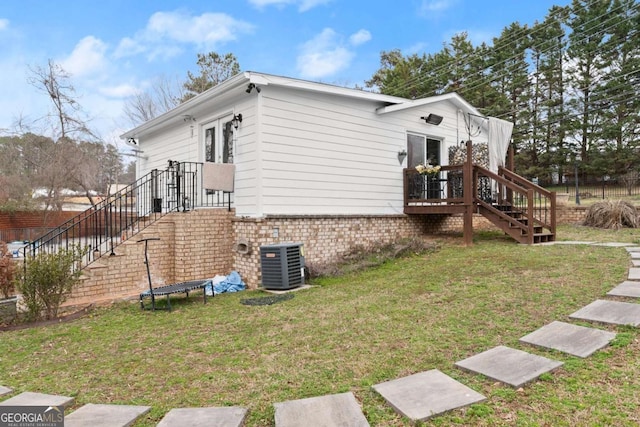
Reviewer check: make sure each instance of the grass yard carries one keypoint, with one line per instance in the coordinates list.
(348, 333)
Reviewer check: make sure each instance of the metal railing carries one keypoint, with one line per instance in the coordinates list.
(101, 228)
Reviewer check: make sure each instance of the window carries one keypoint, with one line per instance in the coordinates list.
(421, 149)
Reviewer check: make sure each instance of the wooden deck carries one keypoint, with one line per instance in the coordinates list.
(517, 206)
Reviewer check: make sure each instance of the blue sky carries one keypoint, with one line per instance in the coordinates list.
(114, 47)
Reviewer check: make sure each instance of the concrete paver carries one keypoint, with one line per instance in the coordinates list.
(323, 411)
(94, 415)
(634, 273)
(572, 339)
(634, 255)
(426, 394)
(28, 398)
(626, 289)
(508, 365)
(4, 390)
(613, 244)
(225, 416)
(614, 312)
(633, 248)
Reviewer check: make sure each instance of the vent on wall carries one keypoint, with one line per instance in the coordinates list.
(282, 266)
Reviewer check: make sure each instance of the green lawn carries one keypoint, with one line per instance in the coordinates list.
(348, 333)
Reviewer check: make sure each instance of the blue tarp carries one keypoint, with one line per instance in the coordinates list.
(232, 283)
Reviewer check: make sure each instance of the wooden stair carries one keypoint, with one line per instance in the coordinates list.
(515, 223)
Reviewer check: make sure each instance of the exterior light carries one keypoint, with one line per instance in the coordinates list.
(237, 119)
(432, 119)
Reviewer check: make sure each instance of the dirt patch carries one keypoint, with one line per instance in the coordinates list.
(84, 311)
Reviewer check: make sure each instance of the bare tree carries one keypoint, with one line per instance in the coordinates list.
(67, 117)
(163, 95)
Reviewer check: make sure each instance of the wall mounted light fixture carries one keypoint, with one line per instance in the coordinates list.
(402, 154)
(252, 86)
(432, 119)
(237, 119)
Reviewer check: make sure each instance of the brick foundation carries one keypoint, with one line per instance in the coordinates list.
(202, 243)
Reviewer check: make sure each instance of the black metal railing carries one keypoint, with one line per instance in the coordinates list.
(101, 228)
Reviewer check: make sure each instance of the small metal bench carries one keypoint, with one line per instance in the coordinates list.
(176, 288)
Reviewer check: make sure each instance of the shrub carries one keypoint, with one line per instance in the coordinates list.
(7, 271)
(612, 214)
(47, 280)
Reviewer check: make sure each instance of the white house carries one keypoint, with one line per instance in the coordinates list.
(314, 163)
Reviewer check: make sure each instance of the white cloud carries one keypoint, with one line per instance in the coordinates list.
(87, 57)
(4, 24)
(434, 6)
(360, 37)
(303, 5)
(166, 32)
(119, 91)
(323, 55)
(310, 4)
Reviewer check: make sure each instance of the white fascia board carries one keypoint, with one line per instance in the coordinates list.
(262, 79)
(453, 97)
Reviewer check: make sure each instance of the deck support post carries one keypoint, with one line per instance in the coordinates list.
(468, 188)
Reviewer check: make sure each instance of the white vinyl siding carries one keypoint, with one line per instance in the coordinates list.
(323, 154)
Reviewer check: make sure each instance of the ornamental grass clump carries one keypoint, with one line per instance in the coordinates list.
(612, 214)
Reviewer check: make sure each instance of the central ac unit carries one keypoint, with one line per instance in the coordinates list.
(282, 266)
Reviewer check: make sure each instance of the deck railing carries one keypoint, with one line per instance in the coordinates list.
(503, 195)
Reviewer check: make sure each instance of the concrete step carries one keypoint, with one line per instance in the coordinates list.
(93, 415)
(568, 338)
(613, 312)
(426, 394)
(231, 416)
(28, 398)
(507, 365)
(332, 410)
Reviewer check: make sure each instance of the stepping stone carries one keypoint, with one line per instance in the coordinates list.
(633, 248)
(573, 242)
(626, 289)
(4, 390)
(615, 312)
(635, 262)
(613, 244)
(426, 394)
(332, 410)
(508, 365)
(635, 255)
(573, 339)
(228, 416)
(634, 274)
(37, 399)
(92, 415)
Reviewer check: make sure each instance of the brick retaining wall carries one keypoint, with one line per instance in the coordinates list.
(192, 245)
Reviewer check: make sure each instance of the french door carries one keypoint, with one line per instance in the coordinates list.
(422, 150)
(218, 148)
